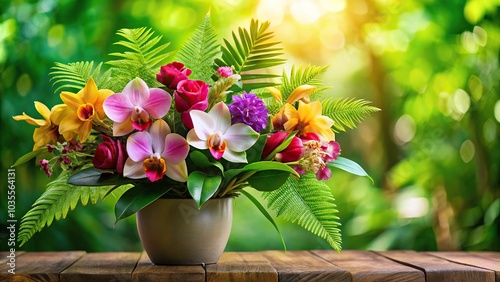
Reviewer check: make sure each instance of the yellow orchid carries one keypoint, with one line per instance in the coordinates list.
(300, 93)
(80, 111)
(47, 132)
(306, 119)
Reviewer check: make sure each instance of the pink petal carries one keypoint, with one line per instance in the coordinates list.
(221, 117)
(133, 169)
(139, 146)
(196, 142)
(240, 137)
(118, 107)
(122, 128)
(158, 131)
(159, 103)
(177, 172)
(203, 124)
(154, 175)
(137, 90)
(324, 174)
(217, 154)
(176, 149)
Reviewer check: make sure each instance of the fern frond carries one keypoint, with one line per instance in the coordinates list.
(199, 51)
(55, 203)
(74, 76)
(302, 75)
(310, 203)
(142, 59)
(250, 54)
(347, 112)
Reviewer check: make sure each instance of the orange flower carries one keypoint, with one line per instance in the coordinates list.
(47, 132)
(307, 118)
(80, 110)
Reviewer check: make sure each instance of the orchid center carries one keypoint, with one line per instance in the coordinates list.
(85, 112)
(155, 167)
(217, 145)
(140, 119)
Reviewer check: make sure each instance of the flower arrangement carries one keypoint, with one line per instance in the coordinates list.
(212, 123)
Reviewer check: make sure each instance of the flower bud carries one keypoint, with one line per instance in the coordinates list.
(225, 71)
(110, 154)
(291, 153)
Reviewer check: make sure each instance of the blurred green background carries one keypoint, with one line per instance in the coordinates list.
(433, 151)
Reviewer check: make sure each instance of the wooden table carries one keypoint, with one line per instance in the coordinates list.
(320, 265)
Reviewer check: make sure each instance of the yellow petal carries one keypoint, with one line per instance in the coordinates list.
(301, 93)
(84, 131)
(58, 113)
(89, 93)
(30, 120)
(103, 94)
(72, 100)
(43, 110)
(276, 94)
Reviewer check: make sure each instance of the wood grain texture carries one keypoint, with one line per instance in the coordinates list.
(147, 271)
(241, 267)
(368, 266)
(440, 270)
(488, 255)
(472, 260)
(115, 267)
(40, 266)
(5, 259)
(304, 266)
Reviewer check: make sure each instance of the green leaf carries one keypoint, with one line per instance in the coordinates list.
(55, 203)
(310, 203)
(136, 198)
(202, 161)
(265, 213)
(74, 76)
(97, 177)
(28, 156)
(142, 59)
(268, 180)
(349, 166)
(347, 112)
(252, 53)
(202, 186)
(269, 165)
(199, 51)
(302, 75)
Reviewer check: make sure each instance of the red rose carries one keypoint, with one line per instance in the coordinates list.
(110, 154)
(170, 75)
(291, 153)
(190, 95)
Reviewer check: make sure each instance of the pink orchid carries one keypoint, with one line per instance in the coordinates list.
(155, 153)
(213, 131)
(134, 107)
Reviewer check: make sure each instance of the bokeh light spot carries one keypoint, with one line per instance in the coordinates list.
(468, 42)
(461, 100)
(24, 84)
(497, 111)
(480, 36)
(489, 131)
(404, 129)
(413, 207)
(467, 151)
(305, 11)
(55, 35)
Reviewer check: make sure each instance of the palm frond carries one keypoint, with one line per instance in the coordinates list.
(347, 112)
(251, 54)
(302, 75)
(55, 203)
(199, 51)
(142, 58)
(310, 203)
(74, 76)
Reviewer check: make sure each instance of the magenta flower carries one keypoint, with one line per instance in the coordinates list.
(316, 155)
(190, 95)
(225, 71)
(134, 107)
(110, 154)
(155, 153)
(170, 75)
(291, 153)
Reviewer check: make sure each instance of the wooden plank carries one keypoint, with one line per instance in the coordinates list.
(368, 266)
(241, 267)
(147, 271)
(472, 260)
(5, 259)
(440, 270)
(488, 255)
(40, 266)
(304, 266)
(112, 266)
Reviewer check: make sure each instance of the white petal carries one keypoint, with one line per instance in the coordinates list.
(240, 137)
(133, 169)
(159, 130)
(203, 124)
(221, 117)
(196, 142)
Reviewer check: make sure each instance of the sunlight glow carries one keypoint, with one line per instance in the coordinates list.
(413, 207)
(305, 11)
